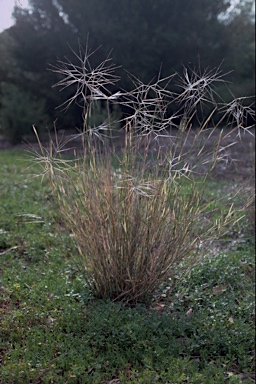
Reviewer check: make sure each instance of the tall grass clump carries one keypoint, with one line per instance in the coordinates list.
(137, 211)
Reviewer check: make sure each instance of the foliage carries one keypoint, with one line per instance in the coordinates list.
(18, 111)
(7, 65)
(128, 27)
(132, 222)
(142, 36)
(242, 59)
(52, 331)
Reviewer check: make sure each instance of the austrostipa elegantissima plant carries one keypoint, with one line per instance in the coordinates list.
(134, 221)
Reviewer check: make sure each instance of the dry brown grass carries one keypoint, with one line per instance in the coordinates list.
(134, 222)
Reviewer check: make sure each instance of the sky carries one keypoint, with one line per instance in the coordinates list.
(6, 8)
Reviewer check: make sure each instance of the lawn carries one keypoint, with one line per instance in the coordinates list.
(53, 331)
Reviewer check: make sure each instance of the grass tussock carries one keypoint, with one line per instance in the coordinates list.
(136, 214)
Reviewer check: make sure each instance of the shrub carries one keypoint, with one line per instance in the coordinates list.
(135, 215)
(18, 111)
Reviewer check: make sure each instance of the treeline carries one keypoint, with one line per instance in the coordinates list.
(141, 36)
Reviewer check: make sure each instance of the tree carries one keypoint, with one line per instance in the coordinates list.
(241, 29)
(144, 36)
(19, 110)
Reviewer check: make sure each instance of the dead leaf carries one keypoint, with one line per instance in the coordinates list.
(189, 312)
(158, 307)
(218, 289)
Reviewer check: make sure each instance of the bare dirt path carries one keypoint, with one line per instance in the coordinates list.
(242, 153)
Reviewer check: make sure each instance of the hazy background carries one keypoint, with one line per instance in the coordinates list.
(142, 35)
(6, 9)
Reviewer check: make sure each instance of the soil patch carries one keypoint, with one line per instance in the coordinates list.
(240, 156)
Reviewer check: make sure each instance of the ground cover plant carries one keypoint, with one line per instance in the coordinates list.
(97, 255)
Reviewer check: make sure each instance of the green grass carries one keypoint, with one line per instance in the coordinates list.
(53, 331)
